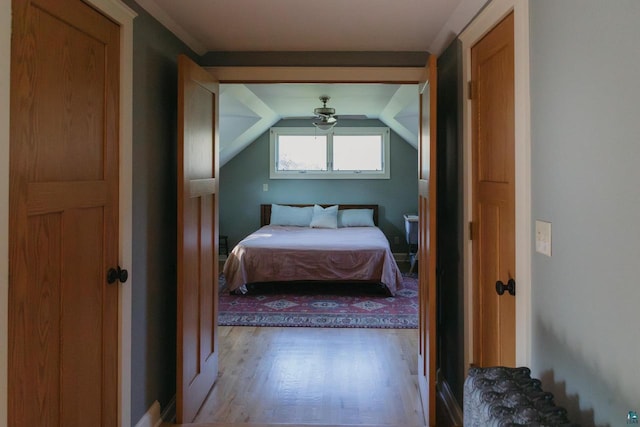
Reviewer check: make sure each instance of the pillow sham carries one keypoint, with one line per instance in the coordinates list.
(325, 217)
(355, 218)
(291, 215)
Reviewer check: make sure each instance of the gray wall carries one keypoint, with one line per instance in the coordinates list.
(242, 177)
(585, 66)
(153, 351)
(450, 235)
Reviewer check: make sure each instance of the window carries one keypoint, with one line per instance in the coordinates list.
(342, 153)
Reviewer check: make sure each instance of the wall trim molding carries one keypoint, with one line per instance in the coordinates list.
(152, 417)
(272, 74)
(483, 23)
(5, 83)
(155, 417)
(169, 413)
(179, 31)
(452, 408)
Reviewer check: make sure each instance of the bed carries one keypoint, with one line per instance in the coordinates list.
(354, 251)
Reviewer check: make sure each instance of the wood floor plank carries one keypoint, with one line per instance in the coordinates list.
(288, 425)
(223, 424)
(315, 376)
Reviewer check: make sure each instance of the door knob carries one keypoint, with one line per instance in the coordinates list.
(510, 287)
(117, 274)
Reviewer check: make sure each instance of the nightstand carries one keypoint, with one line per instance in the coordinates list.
(223, 245)
(411, 234)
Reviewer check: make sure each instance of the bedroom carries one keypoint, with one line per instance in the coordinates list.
(245, 179)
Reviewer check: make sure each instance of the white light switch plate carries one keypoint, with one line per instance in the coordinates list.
(543, 237)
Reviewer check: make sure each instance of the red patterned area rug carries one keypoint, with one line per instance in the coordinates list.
(325, 305)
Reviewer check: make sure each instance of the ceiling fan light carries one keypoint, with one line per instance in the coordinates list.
(324, 125)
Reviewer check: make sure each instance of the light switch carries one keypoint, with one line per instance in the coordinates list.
(265, 187)
(543, 237)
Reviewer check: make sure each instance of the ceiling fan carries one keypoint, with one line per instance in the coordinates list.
(324, 117)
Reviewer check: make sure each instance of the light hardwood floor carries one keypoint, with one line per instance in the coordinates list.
(315, 376)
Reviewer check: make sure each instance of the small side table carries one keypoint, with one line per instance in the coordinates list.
(223, 245)
(411, 234)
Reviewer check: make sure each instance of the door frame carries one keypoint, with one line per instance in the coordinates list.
(421, 77)
(122, 15)
(5, 82)
(276, 74)
(483, 23)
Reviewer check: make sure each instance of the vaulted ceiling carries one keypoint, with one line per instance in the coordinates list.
(246, 111)
(261, 26)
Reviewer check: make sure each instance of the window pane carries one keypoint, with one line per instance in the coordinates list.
(357, 152)
(302, 152)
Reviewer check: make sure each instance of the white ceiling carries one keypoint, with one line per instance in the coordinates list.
(306, 25)
(246, 111)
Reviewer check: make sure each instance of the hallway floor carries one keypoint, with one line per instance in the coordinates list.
(315, 376)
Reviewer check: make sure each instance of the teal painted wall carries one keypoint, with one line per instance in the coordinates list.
(153, 329)
(585, 138)
(450, 235)
(241, 194)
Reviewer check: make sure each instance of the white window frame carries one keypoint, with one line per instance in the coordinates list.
(385, 173)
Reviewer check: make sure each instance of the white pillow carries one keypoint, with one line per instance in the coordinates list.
(291, 215)
(325, 217)
(355, 218)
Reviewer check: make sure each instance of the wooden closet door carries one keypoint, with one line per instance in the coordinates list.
(427, 243)
(197, 237)
(493, 127)
(63, 315)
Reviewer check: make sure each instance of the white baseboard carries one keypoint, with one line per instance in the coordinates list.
(451, 405)
(169, 413)
(152, 418)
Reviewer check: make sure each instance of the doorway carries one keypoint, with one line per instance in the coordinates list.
(259, 332)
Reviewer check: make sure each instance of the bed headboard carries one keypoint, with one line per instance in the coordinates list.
(265, 211)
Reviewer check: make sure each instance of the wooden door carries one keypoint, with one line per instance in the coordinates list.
(197, 356)
(427, 243)
(63, 204)
(493, 146)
